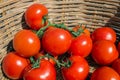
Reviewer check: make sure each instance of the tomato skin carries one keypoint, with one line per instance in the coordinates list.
(105, 73)
(118, 47)
(78, 70)
(81, 45)
(56, 41)
(46, 71)
(26, 43)
(14, 65)
(104, 33)
(34, 15)
(116, 65)
(104, 52)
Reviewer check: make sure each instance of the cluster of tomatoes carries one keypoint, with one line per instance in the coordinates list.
(44, 46)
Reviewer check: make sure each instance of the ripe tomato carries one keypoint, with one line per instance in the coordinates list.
(104, 52)
(105, 73)
(13, 65)
(116, 65)
(104, 33)
(26, 43)
(77, 71)
(56, 41)
(81, 45)
(46, 58)
(118, 47)
(46, 71)
(85, 30)
(34, 15)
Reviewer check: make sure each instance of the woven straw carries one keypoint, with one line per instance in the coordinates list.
(94, 13)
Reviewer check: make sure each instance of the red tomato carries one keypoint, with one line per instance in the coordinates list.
(116, 65)
(34, 15)
(78, 70)
(105, 73)
(13, 65)
(118, 47)
(56, 41)
(81, 45)
(104, 33)
(26, 43)
(104, 52)
(46, 71)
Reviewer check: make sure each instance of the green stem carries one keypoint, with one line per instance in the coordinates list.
(44, 19)
(58, 63)
(36, 64)
(79, 31)
(32, 60)
(40, 32)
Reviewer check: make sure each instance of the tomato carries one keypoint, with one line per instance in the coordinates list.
(81, 45)
(26, 43)
(46, 71)
(46, 58)
(34, 16)
(14, 65)
(85, 30)
(104, 33)
(105, 73)
(56, 41)
(116, 65)
(77, 71)
(104, 52)
(118, 47)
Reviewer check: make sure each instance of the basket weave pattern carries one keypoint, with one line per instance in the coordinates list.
(94, 13)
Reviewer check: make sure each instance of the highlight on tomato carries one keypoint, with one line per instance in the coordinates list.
(105, 73)
(104, 52)
(26, 43)
(35, 16)
(56, 41)
(46, 71)
(14, 65)
(81, 46)
(104, 33)
(78, 69)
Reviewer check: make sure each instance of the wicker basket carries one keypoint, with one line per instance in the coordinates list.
(94, 13)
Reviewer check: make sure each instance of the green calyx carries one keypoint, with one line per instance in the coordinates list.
(41, 31)
(46, 23)
(35, 63)
(59, 64)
